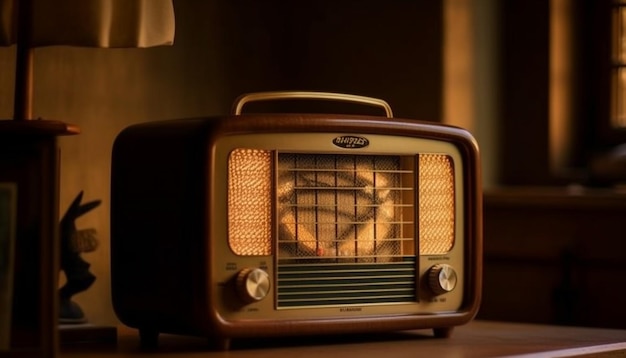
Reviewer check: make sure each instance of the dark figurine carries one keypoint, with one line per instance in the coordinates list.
(73, 243)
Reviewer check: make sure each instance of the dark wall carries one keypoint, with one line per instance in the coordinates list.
(524, 91)
(390, 50)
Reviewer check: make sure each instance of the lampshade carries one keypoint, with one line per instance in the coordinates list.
(92, 23)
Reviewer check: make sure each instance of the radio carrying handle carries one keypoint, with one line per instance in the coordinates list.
(283, 95)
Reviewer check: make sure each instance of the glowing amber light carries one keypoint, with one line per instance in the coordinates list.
(338, 205)
(249, 202)
(346, 208)
(436, 204)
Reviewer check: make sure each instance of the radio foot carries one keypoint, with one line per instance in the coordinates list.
(442, 332)
(219, 344)
(148, 338)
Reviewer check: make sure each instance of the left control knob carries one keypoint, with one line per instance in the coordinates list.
(253, 284)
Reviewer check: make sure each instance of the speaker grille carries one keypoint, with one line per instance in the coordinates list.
(250, 202)
(436, 204)
(344, 208)
(318, 284)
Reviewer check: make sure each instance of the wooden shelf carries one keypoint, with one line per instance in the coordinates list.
(37, 127)
(30, 161)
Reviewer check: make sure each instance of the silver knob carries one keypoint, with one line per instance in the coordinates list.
(442, 279)
(253, 284)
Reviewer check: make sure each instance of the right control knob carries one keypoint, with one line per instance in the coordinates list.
(442, 279)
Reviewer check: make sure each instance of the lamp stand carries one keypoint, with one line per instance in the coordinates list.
(31, 163)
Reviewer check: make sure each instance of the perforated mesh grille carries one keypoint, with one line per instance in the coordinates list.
(436, 204)
(250, 202)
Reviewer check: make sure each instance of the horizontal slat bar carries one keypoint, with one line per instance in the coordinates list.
(333, 223)
(324, 188)
(344, 170)
(348, 275)
(344, 267)
(306, 269)
(284, 289)
(350, 301)
(339, 241)
(344, 281)
(344, 295)
(346, 259)
(346, 205)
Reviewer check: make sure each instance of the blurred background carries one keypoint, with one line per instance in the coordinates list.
(539, 83)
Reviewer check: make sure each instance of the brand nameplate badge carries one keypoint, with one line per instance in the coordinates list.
(350, 141)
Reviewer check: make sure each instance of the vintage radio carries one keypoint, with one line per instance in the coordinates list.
(255, 225)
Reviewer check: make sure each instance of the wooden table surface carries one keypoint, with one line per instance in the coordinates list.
(477, 339)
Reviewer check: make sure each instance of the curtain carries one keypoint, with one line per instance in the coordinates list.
(93, 23)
